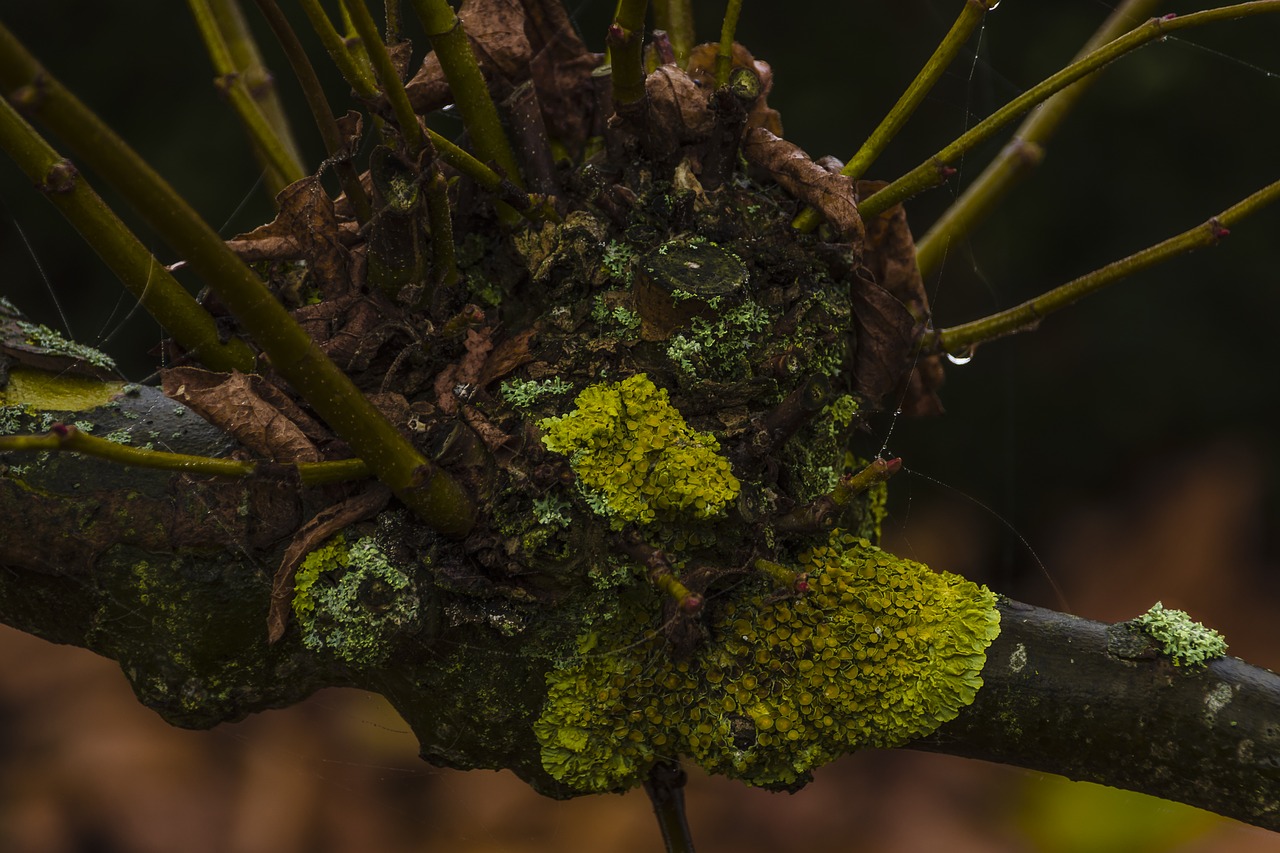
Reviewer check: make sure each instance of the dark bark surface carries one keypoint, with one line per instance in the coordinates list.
(185, 617)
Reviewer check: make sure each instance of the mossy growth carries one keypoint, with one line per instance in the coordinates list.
(1184, 640)
(880, 651)
(637, 458)
(352, 603)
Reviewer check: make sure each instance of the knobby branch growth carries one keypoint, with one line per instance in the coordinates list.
(618, 375)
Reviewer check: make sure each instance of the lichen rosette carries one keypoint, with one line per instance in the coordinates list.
(878, 652)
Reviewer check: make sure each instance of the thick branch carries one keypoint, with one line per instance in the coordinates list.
(170, 574)
(1092, 701)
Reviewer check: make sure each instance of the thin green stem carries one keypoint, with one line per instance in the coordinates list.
(276, 153)
(935, 170)
(392, 29)
(145, 277)
(467, 85)
(724, 55)
(626, 48)
(321, 112)
(257, 77)
(534, 207)
(431, 493)
(388, 78)
(1023, 153)
(357, 75)
(675, 17)
(444, 261)
(64, 437)
(956, 38)
(962, 338)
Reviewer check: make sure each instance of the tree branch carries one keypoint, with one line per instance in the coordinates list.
(175, 586)
(1093, 701)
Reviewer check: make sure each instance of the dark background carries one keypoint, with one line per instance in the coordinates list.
(1129, 442)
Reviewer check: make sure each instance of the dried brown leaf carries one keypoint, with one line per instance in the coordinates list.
(496, 31)
(507, 356)
(832, 194)
(230, 402)
(326, 523)
(885, 343)
(890, 257)
(307, 218)
(679, 112)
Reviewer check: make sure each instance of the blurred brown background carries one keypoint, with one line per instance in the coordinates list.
(1130, 442)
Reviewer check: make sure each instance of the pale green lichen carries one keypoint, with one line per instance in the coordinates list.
(49, 340)
(552, 510)
(618, 260)
(879, 652)
(351, 602)
(624, 319)
(634, 452)
(523, 393)
(718, 349)
(1183, 639)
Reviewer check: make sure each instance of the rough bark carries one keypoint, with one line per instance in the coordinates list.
(171, 576)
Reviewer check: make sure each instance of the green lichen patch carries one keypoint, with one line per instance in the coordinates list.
(523, 393)
(47, 391)
(352, 603)
(637, 458)
(880, 651)
(1183, 639)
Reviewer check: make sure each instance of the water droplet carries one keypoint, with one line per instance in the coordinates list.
(991, 6)
(961, 356)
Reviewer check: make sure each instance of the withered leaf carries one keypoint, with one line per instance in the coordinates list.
(229, 401)
(507, 356)
(890, 257)
(832, 194)
(466, 372)
(496, 31)
(561, 70)
(307, 218)
(679, 113)
(309, 536)
(885, 343)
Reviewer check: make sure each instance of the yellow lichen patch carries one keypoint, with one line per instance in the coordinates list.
(55, 392)
(880, 651)
(633, 451)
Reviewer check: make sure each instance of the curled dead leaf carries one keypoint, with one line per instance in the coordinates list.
(230, 402)
(787, 164)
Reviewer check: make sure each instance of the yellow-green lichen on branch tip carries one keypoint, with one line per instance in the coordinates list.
(637, 459)
(352, 603)
(879, 652)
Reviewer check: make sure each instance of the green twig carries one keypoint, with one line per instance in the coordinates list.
(431, 493)
(467, 85)
(967, 21)
(145, 277)
(388, 78)
(936, 169)
(1024, 317)
(1023, 153)
(313, 91)
(358, 76)
(675, 17)
(626, 42)
(64, 437)
(274, 149)
(724, 54)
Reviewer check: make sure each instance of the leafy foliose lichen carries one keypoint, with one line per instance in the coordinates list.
(880, 651)
(637, 458)
(351, 602)
(1186, 641)
(523, 393)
